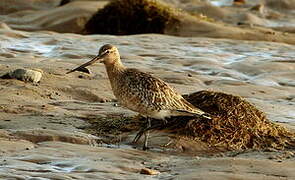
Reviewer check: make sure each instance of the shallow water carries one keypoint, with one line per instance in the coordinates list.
(221, 2)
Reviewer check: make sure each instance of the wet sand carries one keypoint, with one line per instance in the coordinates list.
(42, 127)
(262, 72)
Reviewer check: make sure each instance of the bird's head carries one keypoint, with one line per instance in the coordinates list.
(108, 54)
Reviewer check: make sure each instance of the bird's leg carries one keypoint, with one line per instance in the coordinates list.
(146, 134)
(142, 131)
(145, 131)
(138, 135)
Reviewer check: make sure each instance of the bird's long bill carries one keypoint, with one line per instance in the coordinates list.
(82, 67)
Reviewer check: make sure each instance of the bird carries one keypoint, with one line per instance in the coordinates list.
(141, 92)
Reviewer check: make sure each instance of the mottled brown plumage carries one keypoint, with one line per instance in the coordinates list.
(148, 95)
(142, 92)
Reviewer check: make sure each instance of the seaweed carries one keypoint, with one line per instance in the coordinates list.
(123, 17)
(236, 124)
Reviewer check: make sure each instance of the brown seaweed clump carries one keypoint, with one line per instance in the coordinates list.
(236, 125)
(123, 17)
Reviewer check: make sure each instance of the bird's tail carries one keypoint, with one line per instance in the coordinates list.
(206, 115)
(195, 113)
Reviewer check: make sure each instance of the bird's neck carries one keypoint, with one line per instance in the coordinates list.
(114, 70)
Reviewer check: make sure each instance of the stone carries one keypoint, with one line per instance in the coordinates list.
(148, 171)
(27, 75)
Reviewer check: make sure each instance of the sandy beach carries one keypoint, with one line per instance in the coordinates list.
(45, 127)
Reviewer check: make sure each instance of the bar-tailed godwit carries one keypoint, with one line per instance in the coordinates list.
(142, 92)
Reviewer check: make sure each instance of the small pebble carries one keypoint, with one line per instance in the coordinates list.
(148, 171)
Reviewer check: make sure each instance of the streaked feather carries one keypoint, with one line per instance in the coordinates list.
(143, 93)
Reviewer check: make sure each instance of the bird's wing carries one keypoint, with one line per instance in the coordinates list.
(156, 93)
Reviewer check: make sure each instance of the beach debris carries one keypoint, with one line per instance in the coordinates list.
(148, 171)
(27, 75)
(133, 17)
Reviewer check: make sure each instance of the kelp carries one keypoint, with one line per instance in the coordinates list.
(123, 17)
(236, 124)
